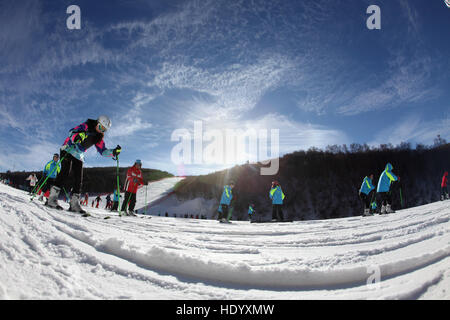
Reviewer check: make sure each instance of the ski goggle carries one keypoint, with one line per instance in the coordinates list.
(101, 128)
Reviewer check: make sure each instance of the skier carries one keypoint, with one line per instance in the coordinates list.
(251, 211)
(133, 181)
(72, 152)
(444, 190)
(366, 193)
(98, 199)
(33, 180)
(51, 170)
(115, 205)
(225, 201)
(108, 201)
(277, 196)
(86, 199)
(383, 188)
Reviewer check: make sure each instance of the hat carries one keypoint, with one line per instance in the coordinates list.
(138, 162)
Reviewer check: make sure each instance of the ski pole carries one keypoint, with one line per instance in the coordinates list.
(401, 197)
(128, 201)
(37, 184)
(146, 198)
(67, 195)
(118, 186)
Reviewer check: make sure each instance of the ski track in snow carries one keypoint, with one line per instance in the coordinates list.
(51, 254)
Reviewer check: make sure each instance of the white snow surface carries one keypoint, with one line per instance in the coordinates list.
(51, 254)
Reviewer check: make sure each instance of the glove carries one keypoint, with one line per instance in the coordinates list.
(117, 151)
(135, 180)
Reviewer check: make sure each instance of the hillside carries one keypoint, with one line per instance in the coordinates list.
(50, 254)
(324, 184)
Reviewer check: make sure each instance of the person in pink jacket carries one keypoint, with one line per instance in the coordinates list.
(444, 190)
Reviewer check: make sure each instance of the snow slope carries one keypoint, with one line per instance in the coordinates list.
(50, 254)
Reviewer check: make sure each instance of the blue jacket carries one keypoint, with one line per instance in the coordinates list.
(250, 210)
(366, 186)
(386, 178)
(227, 195)
(116, 197)
(49, 169)
(277, 195)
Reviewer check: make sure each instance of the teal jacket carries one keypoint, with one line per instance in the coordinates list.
(227, 195)
(366, 186)
(49, 169)
(277, 195)
(386, 178)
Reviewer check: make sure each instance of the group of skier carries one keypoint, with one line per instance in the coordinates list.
(69, 164)
(228, 199)
(368, 194)
(383, 192)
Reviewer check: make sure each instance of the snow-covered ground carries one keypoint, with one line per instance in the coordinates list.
(49, 254)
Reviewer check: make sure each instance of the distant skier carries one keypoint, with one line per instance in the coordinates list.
(86, 199)
(108, 201)
(115, 205)
(366, 194)
(51, 170)
(383, 188)
(225, 201)
(33, 180)
(81, 138)
(98, 199)
(277, 196)
(251, 211)
(133, 181)
(444, 190)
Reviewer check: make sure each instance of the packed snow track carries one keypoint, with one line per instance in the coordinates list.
(50, 254)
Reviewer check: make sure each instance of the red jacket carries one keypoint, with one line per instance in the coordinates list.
(134, 179)
(444, 180)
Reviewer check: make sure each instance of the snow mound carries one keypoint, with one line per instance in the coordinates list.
(50, 254)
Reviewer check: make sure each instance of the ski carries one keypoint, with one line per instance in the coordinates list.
(270, 221)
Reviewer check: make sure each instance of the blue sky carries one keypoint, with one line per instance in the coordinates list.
(308, 68)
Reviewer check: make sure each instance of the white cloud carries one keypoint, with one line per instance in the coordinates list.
(32, 156)
(413, 129)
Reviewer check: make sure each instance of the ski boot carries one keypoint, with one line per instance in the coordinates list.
(383, 209)
(389, 209)
(366, 212)
(52, 201)
(75, 204)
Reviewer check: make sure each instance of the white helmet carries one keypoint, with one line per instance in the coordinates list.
(105, 122)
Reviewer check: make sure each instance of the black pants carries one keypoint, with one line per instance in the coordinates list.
(386, 198)
(130, 199)
(47, 185)
(70, 167)
(277, 212)
(115, 206)
(224, 213)
(366, 199)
